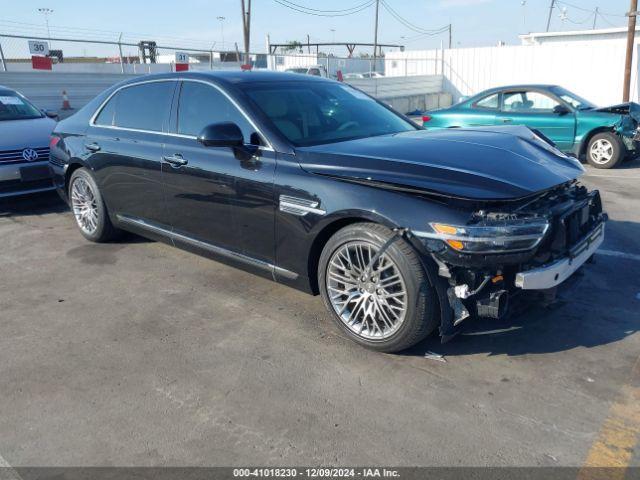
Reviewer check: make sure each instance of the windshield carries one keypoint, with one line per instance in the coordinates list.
(310, 113)
(15, 107)
(572, 99)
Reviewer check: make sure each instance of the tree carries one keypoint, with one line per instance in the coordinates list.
(293, 45)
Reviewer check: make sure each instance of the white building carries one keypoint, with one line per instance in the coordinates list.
(588, 62)
(577, 36)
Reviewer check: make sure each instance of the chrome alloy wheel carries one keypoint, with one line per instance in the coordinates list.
(84, 205)
(370, 299)
(601, 151)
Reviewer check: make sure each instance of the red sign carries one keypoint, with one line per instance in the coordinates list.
(182, 67)
(246, 66)
(41, 63)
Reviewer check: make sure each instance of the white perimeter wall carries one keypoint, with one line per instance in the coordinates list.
(593, 70)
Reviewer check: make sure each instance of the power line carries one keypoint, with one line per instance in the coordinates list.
(606, 21)
(308, 11)
(589, 10)
(410, 25)
(364, 4)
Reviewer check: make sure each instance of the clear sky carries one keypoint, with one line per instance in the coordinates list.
(194, 22)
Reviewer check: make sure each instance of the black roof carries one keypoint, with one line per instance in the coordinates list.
(236, 76)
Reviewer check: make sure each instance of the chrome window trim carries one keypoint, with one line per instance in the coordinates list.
(173, 236)
(268, 147)
(92, 120)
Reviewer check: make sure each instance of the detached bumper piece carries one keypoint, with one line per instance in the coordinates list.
(554, 274)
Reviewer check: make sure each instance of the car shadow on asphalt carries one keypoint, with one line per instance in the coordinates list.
(33, 204)
(49, 203)
(539, 330)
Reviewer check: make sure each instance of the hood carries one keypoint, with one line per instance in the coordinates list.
(629, 108)
(18, 134)
(493, 163)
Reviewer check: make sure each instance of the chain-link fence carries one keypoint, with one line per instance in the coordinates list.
(146, 56)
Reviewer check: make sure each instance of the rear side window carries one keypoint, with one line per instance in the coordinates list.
(490, 102)
(105, 117)
(140, 107)
(201, 105)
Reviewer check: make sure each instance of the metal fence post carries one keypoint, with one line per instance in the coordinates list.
(120, 51)
(4, 62)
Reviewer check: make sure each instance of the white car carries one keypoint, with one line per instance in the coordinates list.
(315, 70)
(363, 75)
(25, 131)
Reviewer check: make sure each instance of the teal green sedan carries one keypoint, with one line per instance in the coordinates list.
(602, 136)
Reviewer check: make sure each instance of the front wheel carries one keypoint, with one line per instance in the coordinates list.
(379, 297)
(89, 209)
(605, 150)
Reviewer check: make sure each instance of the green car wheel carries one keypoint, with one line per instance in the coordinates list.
(605, 150)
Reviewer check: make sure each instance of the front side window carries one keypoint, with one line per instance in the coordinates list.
(201, 105)
(140, 107)
(574, 100)
(529, 102)
(16, 107)
(311, 113)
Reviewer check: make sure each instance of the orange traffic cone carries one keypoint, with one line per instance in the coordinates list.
(65, 101)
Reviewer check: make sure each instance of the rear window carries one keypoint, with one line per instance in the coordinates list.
(140, 107)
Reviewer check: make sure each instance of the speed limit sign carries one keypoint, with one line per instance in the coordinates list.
(182, 57)
(38, 48)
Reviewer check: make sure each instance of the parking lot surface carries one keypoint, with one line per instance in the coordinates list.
(136, 353)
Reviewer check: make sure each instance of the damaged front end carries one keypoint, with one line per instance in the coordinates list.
(627, 125)
(506, 248)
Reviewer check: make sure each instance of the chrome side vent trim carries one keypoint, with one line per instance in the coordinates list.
(299, 206)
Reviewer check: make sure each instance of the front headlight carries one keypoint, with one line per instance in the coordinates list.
(508, 236)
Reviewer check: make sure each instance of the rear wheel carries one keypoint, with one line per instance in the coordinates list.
(380, 298)
(89, 209)
(605, 150)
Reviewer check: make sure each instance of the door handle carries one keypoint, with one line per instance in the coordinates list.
(175, 160)
(507, 120)
(92, 147)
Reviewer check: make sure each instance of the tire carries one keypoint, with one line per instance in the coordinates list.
(605, 150)
(354, 304)
(89, 210)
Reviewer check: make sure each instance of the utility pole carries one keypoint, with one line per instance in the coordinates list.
(553, 2)
(595, 17)
(246, 28)
(375, 37)
(631, 33)
(449, 36)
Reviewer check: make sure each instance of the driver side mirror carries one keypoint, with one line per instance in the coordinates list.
(51, 114)
(225, 134)
(561, 109)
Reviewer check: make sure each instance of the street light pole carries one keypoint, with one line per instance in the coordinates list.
(631, 33)
(221, 20)
(46, 12)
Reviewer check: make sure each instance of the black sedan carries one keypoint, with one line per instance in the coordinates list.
(314, 184)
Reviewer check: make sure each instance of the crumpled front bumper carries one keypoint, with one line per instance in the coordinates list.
(552, 275)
